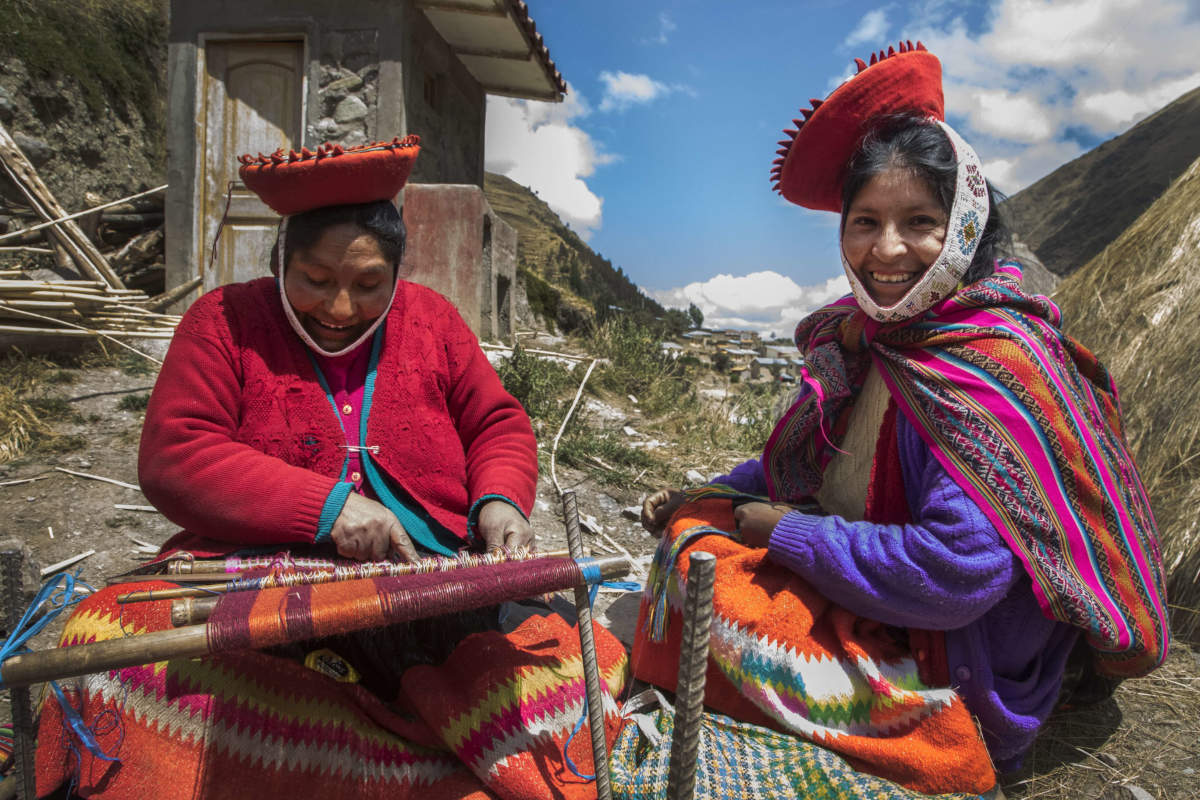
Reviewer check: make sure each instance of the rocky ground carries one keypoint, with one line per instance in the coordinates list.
(1144, 742)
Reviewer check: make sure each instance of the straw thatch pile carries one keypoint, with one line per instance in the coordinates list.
(1137, 304)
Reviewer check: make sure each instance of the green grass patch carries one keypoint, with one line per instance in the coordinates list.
(56, 443)
(134, 402)
(57, 409)
(538, 384)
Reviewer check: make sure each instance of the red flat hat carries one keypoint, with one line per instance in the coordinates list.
(331, 175)
(812, 160)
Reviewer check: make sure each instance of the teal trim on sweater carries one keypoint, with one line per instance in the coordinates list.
(332, 508)
(425, 532)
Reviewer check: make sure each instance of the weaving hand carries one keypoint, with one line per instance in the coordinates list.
(502, 527)
(756, 521)
(658, 508)
(367, 531)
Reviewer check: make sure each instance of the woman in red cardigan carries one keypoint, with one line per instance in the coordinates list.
(330, 409)
(335, 402)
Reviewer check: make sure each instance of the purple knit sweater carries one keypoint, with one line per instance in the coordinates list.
(948, 570)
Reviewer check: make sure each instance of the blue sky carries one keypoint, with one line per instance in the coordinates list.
(660, 155)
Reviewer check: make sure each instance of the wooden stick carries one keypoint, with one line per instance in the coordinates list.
(85, 212)
(19, 481)
(89, 476)
(693, 666)
(563, 426)
(200, 577)
(23, 249)
(103, 334)
(53, 568)
(587, 647)
(172, 296)
(309, 575)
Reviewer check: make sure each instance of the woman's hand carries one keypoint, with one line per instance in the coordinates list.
(503, 527)
(756, 521)
(366, 530)
(658, 508)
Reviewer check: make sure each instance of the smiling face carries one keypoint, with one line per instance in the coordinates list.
(893, 230)
(339, 286)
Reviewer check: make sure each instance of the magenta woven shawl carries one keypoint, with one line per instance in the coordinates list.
(1027, 422)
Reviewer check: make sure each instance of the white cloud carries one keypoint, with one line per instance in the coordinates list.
(1044, 70)
(761, 301)
(537, 145)
(871, 29)
(623, 90)
(666, 26)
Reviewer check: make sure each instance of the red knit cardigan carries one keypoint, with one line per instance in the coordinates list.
(241, 444)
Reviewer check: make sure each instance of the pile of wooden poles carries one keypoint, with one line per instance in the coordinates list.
(99, 305)
(78, 308)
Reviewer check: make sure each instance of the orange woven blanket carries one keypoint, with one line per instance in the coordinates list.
(785, 657)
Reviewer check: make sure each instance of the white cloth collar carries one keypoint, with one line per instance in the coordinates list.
(290, 312)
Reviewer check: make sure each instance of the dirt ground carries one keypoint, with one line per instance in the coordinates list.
(1145, 739)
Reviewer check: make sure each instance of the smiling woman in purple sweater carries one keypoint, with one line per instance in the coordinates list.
(953, 462)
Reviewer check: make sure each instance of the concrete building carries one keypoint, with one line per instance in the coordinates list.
(256, 75)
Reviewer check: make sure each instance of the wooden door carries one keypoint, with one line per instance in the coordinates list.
(253, 102)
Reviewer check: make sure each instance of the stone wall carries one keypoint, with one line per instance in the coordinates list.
(348, 89)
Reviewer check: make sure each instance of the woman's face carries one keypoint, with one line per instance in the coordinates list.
(894, 230)
(339, 286)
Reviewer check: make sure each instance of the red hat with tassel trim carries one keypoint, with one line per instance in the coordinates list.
(812, 159)
(331, 175)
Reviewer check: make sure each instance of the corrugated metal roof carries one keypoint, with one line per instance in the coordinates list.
(497, 41)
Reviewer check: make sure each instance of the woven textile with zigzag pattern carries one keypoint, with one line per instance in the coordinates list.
(783, 656)
(1027, 422)
(489, 722)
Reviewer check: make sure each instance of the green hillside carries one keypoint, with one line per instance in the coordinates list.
(566, 281)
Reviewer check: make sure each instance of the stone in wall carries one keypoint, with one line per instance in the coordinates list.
(347, 88)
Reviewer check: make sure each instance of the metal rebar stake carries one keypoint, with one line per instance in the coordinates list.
(11, 565)
(693, 665)
(587, 646)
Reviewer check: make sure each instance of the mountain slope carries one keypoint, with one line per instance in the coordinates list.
(1070, 215)
(1137, 303)
(566, 281)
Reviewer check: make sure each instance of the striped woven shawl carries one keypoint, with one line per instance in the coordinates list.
(1027, 422)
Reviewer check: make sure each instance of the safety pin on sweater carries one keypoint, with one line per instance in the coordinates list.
(355, 448)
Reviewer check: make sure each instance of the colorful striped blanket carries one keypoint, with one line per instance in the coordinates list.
(491, 721)
(783, 656)
(1027, 422)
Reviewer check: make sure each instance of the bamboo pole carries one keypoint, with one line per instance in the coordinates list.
(67, 233)
(172, 296)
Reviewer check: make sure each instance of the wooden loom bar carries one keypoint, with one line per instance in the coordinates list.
(186, 642)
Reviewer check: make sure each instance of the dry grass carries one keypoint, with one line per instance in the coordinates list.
(1147, 734)
(1138, 305)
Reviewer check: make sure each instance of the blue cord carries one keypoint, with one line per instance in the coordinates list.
(57, 598)
(56, 595)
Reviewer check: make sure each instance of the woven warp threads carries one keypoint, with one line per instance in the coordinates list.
(287, 614)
